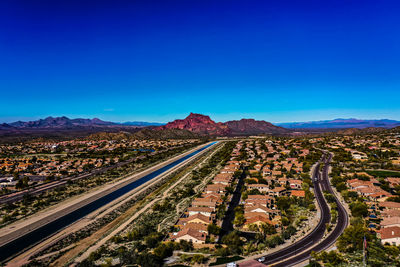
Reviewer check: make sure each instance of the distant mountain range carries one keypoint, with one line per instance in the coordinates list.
(59, 122)
(65, 123)
(341, 124)
(193, 126)
(60, 128)
(142, 123)
(202, 124)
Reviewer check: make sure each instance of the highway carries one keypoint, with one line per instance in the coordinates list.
(21, 238)
(301, 250)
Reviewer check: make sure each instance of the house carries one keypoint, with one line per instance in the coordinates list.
(260, 187)
(223, 178)
(197, 218)
(298, 193)
(266, 171)
(260, 209)
(390, 222)
(389, 205)
(196, 226)
(258, 167)
(390, 213)
(276, 173)
(367, 191)
(380, 196)
(215, 188)
(358, 184)
(262, 200)
(278, 191)
(204, 202)
(257, 219)
(283, 181)
(230, 168)
(200, 210)
(249, 215)
(295, 183)
(359, 155)
(266, 198)
(190, 235)
(390, 235)
(212, 197)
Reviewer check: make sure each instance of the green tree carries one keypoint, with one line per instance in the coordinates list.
(233, 241)
(185, 245)
(285, 221)
(352, 238)
(359, 209)
(221, 211)
(164, 250)
(283, 203)
(239, 219)
(213, 229)
(152, 240)
(341, 186)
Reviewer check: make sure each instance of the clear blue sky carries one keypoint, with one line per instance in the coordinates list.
(159, 60)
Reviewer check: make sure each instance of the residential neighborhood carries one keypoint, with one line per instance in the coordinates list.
(41, 162)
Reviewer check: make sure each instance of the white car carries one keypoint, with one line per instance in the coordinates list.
(231, 264)
(261, 259)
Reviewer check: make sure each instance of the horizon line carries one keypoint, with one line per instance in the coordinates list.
(158, 122)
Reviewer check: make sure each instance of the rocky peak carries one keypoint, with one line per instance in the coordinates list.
(198, 123)
(199, 118)
(202, 124)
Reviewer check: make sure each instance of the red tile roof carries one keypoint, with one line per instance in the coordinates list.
(390, 232)
(297, 193)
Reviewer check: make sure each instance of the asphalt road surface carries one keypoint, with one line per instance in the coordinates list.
(301, 250)
(227, 224)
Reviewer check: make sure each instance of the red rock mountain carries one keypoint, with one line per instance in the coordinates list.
(199, 124)
(204, 125)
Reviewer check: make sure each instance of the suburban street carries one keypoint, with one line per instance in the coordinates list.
(227, 223)
(301, 250)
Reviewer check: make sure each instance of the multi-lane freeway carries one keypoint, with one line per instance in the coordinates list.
(314, 241)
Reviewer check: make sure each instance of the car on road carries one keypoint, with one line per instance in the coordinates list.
(231, 264)
(261, 259)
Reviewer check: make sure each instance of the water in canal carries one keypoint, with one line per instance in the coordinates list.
(53, 227)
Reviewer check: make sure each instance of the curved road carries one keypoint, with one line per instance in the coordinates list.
(301, 250)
